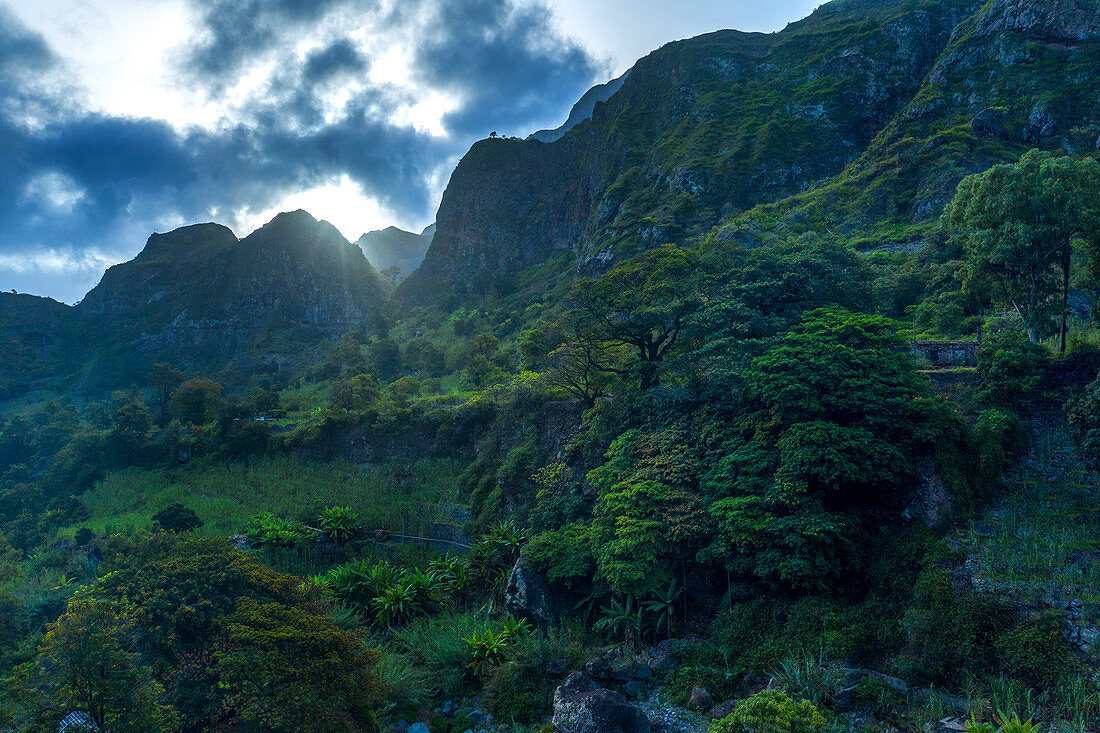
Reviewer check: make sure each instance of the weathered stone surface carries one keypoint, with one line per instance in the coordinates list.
(701, 699)
(1050, 20)
(597, 711)
(528, 595)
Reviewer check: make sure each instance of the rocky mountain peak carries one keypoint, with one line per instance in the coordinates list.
(189, 242)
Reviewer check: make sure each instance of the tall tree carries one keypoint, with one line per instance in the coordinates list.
(642, 303)
(1019, 225)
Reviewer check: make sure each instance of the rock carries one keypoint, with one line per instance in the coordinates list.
(1040, 123)
(577, 683)
(643, 672)
(1048, 20)
(528, 595)
(701, 699)
(634, 689)
(722, 709)
(447, 707)
(418, 728)
(989, 123)
(599, 669)
(598, 711)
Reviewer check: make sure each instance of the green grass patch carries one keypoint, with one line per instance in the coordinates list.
(394, 496)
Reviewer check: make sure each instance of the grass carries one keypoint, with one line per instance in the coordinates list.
(394, 496)
(1026, 548)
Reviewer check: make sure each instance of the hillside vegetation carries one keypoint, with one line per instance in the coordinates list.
(764, 398)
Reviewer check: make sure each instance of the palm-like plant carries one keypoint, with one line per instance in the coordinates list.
(621, 619)
(340, 524)
(421, 584)
(661, 608)
(508, 541)
(450, 572)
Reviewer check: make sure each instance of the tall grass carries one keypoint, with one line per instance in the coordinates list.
(399, 497)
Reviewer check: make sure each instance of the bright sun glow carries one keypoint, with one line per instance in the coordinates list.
(341, 203)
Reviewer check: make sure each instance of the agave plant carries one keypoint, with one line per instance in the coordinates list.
(340, 524)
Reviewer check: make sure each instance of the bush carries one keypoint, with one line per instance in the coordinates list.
(771, 711)
(1037, 654)
(1012, 369)
(177, 518)
(340, 524)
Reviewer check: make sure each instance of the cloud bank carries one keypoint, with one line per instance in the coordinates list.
(385, 94)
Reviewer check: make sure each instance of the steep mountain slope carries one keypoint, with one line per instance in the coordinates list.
(701, 129)
(198, 296)
(36, 336)
(395, 248)
(1016, 74)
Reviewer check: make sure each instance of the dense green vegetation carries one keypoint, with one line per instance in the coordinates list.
(777, 476)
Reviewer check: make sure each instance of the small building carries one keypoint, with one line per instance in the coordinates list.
(948, 353)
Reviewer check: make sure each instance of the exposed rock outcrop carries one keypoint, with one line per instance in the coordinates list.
(582, 707)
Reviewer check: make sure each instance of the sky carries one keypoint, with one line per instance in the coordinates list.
(120, 118)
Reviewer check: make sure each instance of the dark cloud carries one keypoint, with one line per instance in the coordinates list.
(234, 32)
(507, 62)
(338, 58)
(78, 182)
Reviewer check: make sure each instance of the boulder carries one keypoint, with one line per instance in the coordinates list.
(597, 711)
(1040, 123)
(528, 595)
(701, 698)
(418, 728)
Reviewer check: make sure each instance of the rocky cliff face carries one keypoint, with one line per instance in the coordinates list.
(1014, 75)
(701, 130)
(198, 296)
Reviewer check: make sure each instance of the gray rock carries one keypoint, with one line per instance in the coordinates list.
(1040, 123)
(418, 728)
(643, 672)
(447, 707)
(528, 595)
(634, 689)
(701, 699)
(598, 711)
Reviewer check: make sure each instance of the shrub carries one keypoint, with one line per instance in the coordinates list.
(1037, 654)
(177, 518)
(340, 524)
(771, 711)
(267, 529)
